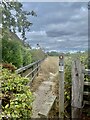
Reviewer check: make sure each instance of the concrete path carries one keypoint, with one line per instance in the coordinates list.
(41, 95)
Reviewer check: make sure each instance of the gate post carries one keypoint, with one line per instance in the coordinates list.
(77, 89)
(61, 86)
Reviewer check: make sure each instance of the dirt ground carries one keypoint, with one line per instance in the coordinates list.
(46, 81)
(48, 68)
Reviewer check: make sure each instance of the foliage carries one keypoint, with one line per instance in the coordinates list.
(68, 66)
(10, 67)
(11, 51)
(27, 57)
(37, 54)
(16, 96)
(14, 17)
(53, 53)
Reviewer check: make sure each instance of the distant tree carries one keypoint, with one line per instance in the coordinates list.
(15, 18)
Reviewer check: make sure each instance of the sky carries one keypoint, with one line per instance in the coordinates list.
(59, 26)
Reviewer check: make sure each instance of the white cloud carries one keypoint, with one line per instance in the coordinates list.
(38, 33)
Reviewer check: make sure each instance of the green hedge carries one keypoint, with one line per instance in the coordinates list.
(16, 96)
(13, 51)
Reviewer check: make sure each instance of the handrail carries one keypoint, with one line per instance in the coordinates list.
(30, 70)
(27, 66)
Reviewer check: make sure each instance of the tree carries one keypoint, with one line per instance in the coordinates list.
(15, 18)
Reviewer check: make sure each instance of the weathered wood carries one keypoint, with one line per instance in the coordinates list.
(87, 83)
(30, 70)
(27, 67)
(86, 71)
(31, 80)
(77, 89)
(37, 68)
(86, 102)
(0, 100)
(46, 107)
(61, 86)
(86, 93)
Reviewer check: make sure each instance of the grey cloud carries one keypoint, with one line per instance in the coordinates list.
(58, 33)
(65, 25)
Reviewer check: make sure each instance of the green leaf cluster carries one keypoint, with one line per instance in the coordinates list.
(13, 50)
(16, 96)
(68, 78)
(15, 18)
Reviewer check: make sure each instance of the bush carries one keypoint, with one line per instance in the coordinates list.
(16, 96)
(11, 52)
(37, 54)
(9, 66)
(27, 58)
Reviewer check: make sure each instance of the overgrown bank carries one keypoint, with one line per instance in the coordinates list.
(16, 52)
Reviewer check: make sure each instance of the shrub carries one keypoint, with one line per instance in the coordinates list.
(27, 57)
(16, 96)
(11, 52)
(8, 66)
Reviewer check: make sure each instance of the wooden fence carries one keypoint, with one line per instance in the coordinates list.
(30, 71)
(78, 88)
(78, 92)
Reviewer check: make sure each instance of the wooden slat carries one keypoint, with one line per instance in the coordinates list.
(66, 104)
(86, 71)
(86, 93)
(31, 80)
(32, 71)
(87, 83)
(27, 67)
(0, 100)
(87, 102)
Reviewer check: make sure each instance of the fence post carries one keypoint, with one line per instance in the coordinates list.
(77, 89)
(37, 68)
(61, 86)
(0, 100)
(33, 71)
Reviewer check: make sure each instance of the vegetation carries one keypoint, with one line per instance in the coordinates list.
(16, 96)
(68, 65)
(53, 53)
(13, 50)
(15, 18)
(37, 54)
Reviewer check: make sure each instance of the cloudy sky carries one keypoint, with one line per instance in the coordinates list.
(60, 26)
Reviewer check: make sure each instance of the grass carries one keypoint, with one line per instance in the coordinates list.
(48, 67)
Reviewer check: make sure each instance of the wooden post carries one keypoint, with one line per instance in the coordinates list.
(0, 99)
(77, 89)
(33, 71)
(37, 69)
(61, 86)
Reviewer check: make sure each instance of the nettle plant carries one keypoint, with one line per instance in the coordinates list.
(16, 96)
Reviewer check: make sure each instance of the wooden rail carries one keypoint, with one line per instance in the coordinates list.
(30, 71)
(86, 71)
